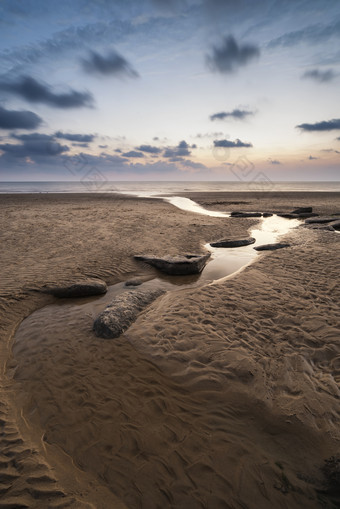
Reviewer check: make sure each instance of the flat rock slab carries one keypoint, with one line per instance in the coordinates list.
(233, 242)
(123, 311)
(177, 265)
(271, 247)
(133, 282)
(321, 220)
(86, 288)
(241, 213)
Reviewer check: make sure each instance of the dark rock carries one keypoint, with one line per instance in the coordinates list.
(245, 214)
(303, 215)
(267, 214)
(177, 265)
(133, 282)
(123, 311)
(233, 243)
(271, 247)
(302, 210)
(288, 215)
(84, 288)
(335, 225)
(322, 220)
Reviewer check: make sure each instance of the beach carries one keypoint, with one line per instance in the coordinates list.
(219, 396)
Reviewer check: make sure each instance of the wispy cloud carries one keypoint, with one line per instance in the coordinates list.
(111, 64)
(32, 91)
(231, 144)
(313, 34)
(235, 114)
(231, 55)
(320, 76)
(325, 125)
(81, 138)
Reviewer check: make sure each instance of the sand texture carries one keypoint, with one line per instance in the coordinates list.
(223, 396)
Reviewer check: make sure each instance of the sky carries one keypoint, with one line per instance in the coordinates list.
(169, 90)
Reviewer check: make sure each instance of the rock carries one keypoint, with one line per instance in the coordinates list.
(233, 243)
(335, 225)
(245, 214)
(84, 288)
(177, 265)
(321, 220)
(267, 214)
(288, 215)
(271, 247)
(133, 282)
(123, 311)
(303, 215)
(302, 210)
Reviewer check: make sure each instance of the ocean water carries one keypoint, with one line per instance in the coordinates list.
(153, 188)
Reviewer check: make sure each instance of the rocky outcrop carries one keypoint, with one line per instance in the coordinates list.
(271, 247)
(123, 311)
(86, 288)
(177, 265)
(233, 242)
(241, 213)
(335, 225)
(321, 220)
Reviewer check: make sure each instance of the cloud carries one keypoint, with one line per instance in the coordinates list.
(30, 89)
(330, 150)
(149, 149)
(228, 57)
(111, 64)
(181, 150)
(325, 125)
(12, 119)
(81, 138)
(311, 158)
(314, 34)
(320, 76)
(34, 147)
(231, 144)
(236, 114)
(274, 161)
(32, 136)
(133, 153)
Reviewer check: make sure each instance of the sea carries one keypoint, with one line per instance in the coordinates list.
(154, 188)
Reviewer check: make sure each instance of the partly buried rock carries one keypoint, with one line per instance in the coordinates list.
(241, 213)
(122, 311)
(233, 243)
(177, 265)
(271, 247)
(84, 288)
(321, 220)
(133, 282)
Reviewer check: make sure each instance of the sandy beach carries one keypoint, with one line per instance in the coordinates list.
(222, 396)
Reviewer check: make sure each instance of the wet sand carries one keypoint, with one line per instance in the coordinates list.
(224, 396)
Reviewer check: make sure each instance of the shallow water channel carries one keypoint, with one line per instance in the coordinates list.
(224, 263)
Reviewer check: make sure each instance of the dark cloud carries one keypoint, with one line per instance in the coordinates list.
(105, 146)
(33, 136)
(236, 114)
(81, 138)
(330, 150)
(12, 119)
(231, 144)
(325, 125)
(314, 34)
(133, 153)
(320, 76)
(34, 148)
(231, 55)
(149, 149)
(30, 89)
(311, 158)
(181, 150)
(82, 145)
(110, 64)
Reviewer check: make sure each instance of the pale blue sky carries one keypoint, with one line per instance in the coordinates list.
(143, 79)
